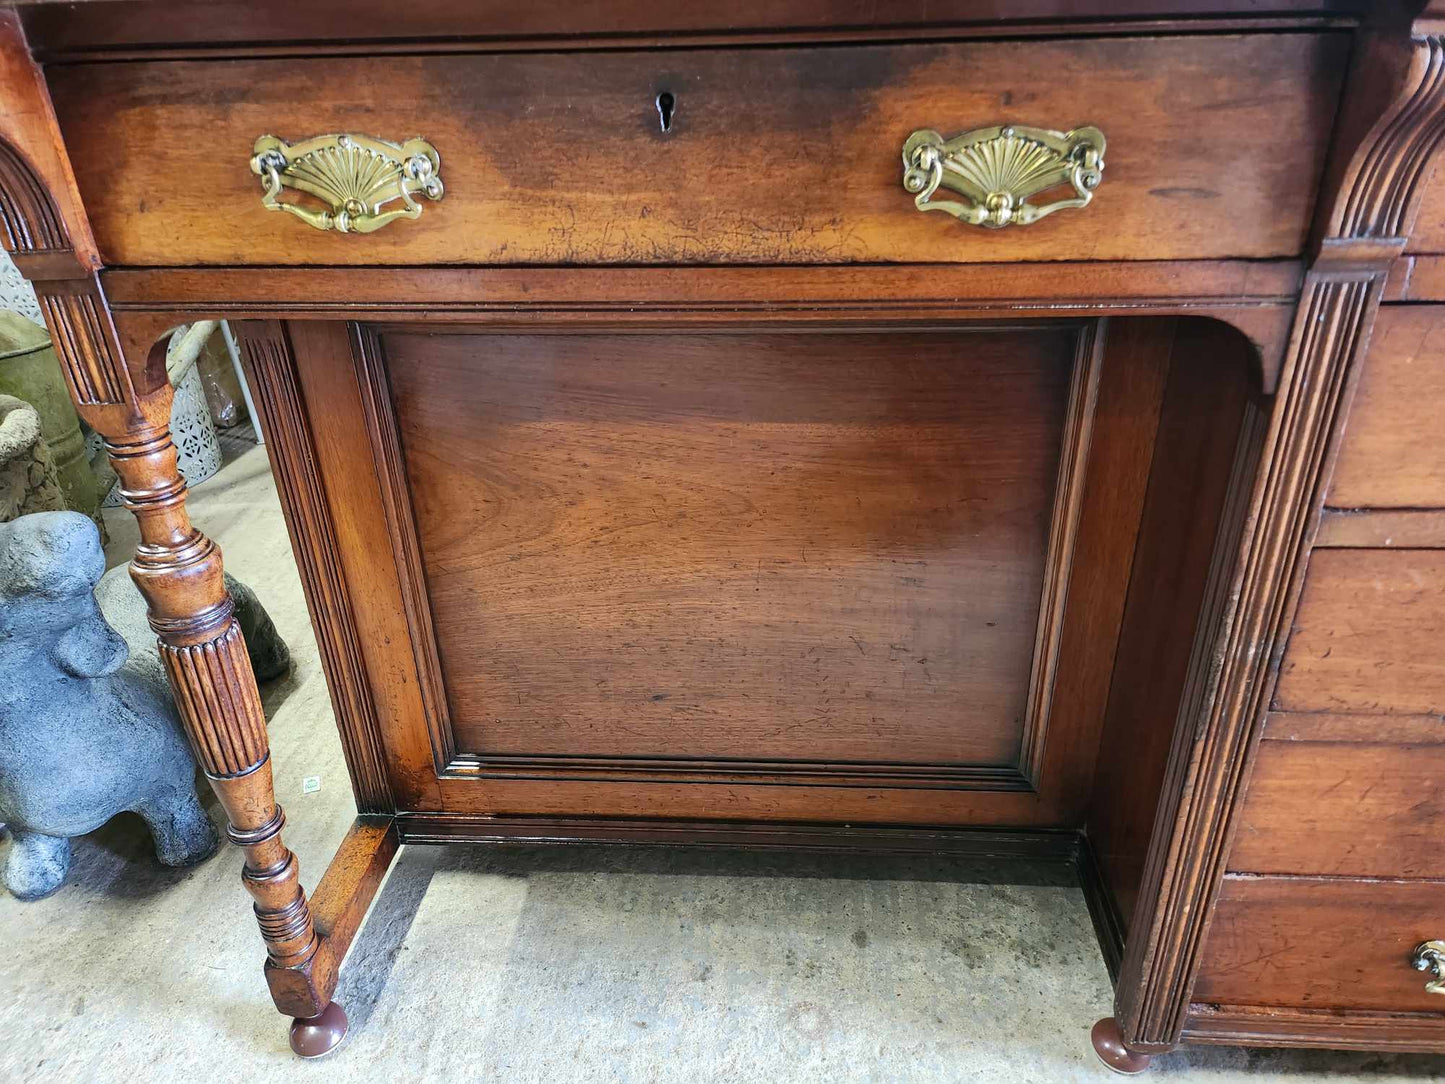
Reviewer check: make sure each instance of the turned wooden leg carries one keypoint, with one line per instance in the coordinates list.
(124, 395)
(1109, 1045)
(178, 570)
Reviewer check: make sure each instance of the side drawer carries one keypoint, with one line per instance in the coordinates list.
(1429, 232)
(1322, 944)
(771, 155)
(1391, 455)
(1352, 796)
(1369, 635)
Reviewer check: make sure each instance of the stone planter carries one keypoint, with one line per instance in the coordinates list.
(27, 473)
(30, 371)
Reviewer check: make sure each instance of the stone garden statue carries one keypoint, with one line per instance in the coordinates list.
(88, 728)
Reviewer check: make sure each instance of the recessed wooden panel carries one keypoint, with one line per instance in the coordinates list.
(1189, 493)
(774, 155)
(1301, 942)
(820, 547)
(1354, 808)
(1392, 455)
(1367, 635)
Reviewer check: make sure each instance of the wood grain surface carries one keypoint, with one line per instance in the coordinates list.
(780, 547)
(775, 155)
(1392, 455)
(1347, 806)
(1188, 481)
(53, 28)
(1367, 634)
(1373, 528)
(1429, 232)
(1322, 944)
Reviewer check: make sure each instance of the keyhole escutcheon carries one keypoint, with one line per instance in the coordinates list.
(666, 106)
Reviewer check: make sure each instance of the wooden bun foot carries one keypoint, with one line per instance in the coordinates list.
(320, 1035)
(1109, 1045)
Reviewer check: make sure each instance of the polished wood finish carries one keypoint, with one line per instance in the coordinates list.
(127, 24)
(1257, 298)
(1344, 799)
(271, 369)
(1048, 845)
(1368, 1030)
(1315, 943)
(1206, 411)
(1429, 234)
(736, 510)
(340, 905)
(1367, 635)
(46, 231)
(1389, 133)
(1390, 456)
(1038, 772)
(1157, 570)
(352, 880)
(1126, 423)
(774, 156)
(1417, 278)
(1228, 290)
(1108, 1042)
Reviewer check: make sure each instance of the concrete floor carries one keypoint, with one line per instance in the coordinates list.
(562, 964)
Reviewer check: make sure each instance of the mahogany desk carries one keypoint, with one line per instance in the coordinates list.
(945, 426)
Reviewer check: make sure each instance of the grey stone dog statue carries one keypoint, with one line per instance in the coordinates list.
(88, 728)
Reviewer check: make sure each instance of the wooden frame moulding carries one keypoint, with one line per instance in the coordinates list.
(382, 428)
(1393, 126)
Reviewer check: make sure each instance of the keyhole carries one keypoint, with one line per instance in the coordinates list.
(666, 104)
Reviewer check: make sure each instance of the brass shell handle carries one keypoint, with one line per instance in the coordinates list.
(999, 169)
(357, 177)
(1430, 956)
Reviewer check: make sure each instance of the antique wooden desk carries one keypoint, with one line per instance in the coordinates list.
(659, 471)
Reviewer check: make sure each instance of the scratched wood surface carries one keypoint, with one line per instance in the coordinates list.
(1348, 798)
(820, 547)
(1391, 455)
(1320, 943)
(1367, 634)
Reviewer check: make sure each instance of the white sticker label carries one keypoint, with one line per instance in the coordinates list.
(311, 784)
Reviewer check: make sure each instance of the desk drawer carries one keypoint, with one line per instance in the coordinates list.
(1351, 796)
(1367, 635)
(1322, 944)
(1391, 455)
(1215, 146)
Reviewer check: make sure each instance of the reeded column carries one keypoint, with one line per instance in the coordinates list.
(178, 570)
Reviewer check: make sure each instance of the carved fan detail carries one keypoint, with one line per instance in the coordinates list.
(1000, 169)
(355, 176)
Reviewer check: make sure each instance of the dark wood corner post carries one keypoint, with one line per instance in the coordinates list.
(178, 569)
(1393, 125)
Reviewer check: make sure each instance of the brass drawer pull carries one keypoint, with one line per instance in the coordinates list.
(1430, 956)
(356, 176)
(999, 169)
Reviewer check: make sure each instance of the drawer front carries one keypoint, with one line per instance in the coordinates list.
(1322, 944)
(1368, 635)
(1353, 796)
(1391, 455)
(1428, 235)
(1215, 146)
